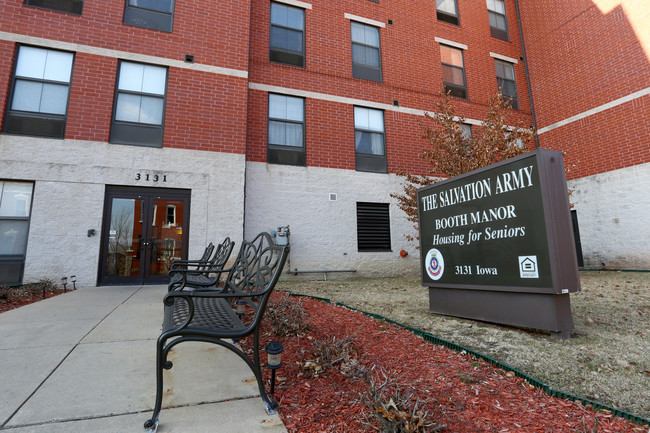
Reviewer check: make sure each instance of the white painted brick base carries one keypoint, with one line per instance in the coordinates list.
(323, 232)
(614, 217)
(70, 179)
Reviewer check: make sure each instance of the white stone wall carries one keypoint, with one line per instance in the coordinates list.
(323, 232)
(614, 217)
(70, 179)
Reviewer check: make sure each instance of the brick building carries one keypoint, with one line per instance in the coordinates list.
(136, 131)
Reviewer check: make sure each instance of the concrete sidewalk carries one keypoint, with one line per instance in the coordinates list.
(84, 361)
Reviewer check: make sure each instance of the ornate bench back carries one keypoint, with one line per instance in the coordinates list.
(221, 255)
(256, 270)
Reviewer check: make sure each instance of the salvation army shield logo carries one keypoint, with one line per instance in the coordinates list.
(434, 264)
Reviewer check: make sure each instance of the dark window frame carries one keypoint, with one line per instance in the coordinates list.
(147, 18)
(512, 99)
(283, 154)
(362, 70)
(72, 7)
(446, 17)
(497, 32)
(370, 162)
(35, 123)
(283, 55)
(137, 133)
(453, 88)
(373, 227)
(16, 261)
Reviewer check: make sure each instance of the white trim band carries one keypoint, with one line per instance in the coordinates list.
(364, 20)
(87, 49)
(504, 58)
(295, 3)
(596, 110)
(349, 101)
(450, 43)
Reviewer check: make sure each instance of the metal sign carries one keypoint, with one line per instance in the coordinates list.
(503, 228)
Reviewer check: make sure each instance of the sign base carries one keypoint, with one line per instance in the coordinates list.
(528, 310)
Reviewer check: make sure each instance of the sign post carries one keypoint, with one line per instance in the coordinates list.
(497, 244)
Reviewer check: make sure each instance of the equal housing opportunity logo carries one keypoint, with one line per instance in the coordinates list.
(528, 267)
(434, 264)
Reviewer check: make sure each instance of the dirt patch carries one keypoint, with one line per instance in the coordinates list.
(607, 358)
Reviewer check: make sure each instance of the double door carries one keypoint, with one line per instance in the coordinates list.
(144, 230)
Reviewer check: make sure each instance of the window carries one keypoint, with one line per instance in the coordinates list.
(466, 130)
(453, 71)
(68, 6)
(15, 210)
(447, 11)
(169, 247)
(150, 14)
(497, 16)
(369, 140)
(373, 227)
(506, 82)
(38, 103)
(366, 55)
(170, 217)
(286, 135)
(287, 40)
(139, 109)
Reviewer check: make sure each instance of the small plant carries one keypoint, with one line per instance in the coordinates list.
(395, 407)
(286, 315)
(467, 378)
(584, 429)
(14, 297)
(337, 351)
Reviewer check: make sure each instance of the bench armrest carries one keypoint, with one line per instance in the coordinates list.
(184, 263)
(206, 271)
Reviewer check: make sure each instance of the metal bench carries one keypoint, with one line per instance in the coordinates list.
(180, 264)
(208, 316)
(202, 273)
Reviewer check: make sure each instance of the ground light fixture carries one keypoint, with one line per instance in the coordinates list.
(240, 308)
(64, 281)
(73, 278)
(274, 360)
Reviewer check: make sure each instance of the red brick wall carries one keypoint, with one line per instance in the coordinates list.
(213, 33)
(204, 110)
(613, 139)
(91, 97)
(7, 51)
(411, 71)
(581, 58)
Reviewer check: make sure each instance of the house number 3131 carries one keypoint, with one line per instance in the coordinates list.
(148, 177)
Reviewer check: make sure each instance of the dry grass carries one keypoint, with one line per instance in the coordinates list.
(607, 358)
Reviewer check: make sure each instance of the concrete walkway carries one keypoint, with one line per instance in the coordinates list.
(84, 362)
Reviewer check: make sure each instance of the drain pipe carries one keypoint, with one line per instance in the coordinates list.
(530, 91)
(324, 271)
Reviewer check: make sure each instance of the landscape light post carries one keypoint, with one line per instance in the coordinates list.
(274, 360)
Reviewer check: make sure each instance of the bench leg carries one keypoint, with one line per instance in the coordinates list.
(270, 405)
(161, 362)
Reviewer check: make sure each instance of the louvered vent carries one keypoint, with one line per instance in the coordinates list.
(373, 227)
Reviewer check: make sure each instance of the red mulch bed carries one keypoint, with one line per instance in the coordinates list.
(25, 297)
(464, 393)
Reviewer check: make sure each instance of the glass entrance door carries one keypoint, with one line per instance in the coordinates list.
(144, 230)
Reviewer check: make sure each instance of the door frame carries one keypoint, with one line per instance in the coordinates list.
(146, 193)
